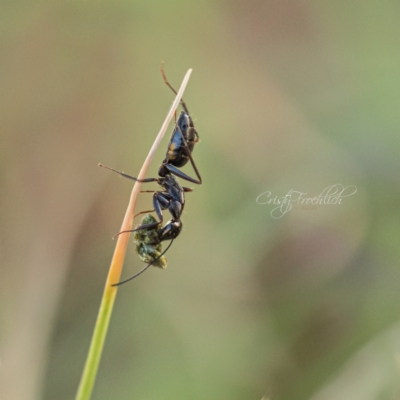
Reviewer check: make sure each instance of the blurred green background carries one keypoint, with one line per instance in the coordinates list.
(286, 95)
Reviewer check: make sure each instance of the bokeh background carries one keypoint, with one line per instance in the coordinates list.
(286, 95)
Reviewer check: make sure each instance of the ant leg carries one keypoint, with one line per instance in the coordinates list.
(160, 202)
(144, 269)
(143, 212)
(169, 85)
(186, 189)
(128, 176)
(174, 170)
(152, 191)
(145, 226)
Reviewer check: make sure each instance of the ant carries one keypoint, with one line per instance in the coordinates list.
(179, 152)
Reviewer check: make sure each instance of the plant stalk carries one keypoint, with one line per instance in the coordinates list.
(107, 302)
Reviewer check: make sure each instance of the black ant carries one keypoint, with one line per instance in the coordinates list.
(179, 152)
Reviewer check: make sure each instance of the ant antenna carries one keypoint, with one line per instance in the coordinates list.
(128, 176)
(144, 269)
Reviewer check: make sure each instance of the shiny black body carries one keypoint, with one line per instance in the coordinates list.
(181, 144)
(177, 153)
